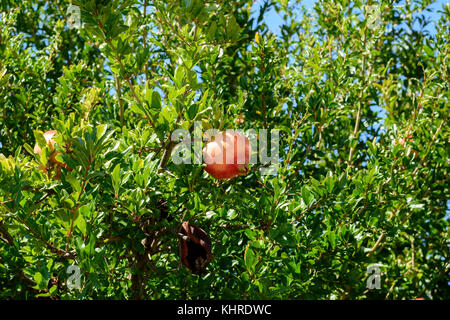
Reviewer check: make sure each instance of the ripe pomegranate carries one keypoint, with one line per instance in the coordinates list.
(227, 155)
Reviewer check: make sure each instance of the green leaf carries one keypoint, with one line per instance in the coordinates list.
(73, 181)
(90, 247)
(307, 197)
(332, 239)
(52, 290)
(156, 100)
(179, 76)
(116, 178)
(250, 259)
(29, 149)
(137, 109)
(80, 222)
(192, 111)
(212, 31)
(38, 278)
(175, 93)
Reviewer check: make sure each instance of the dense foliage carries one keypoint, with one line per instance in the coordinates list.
(358, 90)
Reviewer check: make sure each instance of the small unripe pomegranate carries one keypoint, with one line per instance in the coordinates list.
(52, 162)
(227, 155)
(50, 142)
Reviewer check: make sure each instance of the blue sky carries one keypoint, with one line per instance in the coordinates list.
(275, 20)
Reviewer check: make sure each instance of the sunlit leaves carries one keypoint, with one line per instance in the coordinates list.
(117, 88)
(93, 142)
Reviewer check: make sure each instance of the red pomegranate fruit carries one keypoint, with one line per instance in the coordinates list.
(227, 155)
